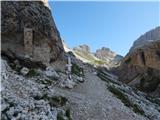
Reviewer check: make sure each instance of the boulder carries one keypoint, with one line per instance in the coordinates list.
(51, 73)
(80, 79)
(68, 84)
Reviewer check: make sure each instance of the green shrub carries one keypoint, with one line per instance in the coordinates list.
(60, 116)
(136, 109)
(32, 73)
(56, 101)
(77, 70)
(68, 114)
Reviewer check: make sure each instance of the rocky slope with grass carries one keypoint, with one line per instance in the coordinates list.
(141, 66)
(107, 55)
(42, 88)
(37, 95)
(102, 57)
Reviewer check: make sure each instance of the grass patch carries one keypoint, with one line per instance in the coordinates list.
(68, 114)
(125, 100)
(84, 55)
(60, 116)
(54, 101)
(32, 73)
(99, 62)
(64, 116)
(90, 58)
(57, 101)
(15, 67)
(77, 70)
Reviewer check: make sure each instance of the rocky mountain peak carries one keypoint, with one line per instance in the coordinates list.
(84, 48)
(105, 53)
(150, 36)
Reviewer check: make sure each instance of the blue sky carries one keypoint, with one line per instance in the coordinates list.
(111, 24)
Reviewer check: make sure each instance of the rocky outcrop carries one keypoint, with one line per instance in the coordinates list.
(83, 48)
(107, 55)
(28, 30)
(141, 66)
(150, 36)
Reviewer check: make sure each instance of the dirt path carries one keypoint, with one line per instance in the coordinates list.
(92, 101)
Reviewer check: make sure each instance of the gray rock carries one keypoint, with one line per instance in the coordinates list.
(80, 79)
(24, 71)
(51, 73)
(68, 84)
(26, 21)
(150, 36)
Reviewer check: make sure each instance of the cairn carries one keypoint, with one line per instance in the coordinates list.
(69, 69)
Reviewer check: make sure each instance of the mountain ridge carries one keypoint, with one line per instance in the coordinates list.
(102, 57)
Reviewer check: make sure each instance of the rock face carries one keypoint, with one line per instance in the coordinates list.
(28, 30)
(141, 66)
(104, 53)
(107, 55)
(150, 36)
(83, 48)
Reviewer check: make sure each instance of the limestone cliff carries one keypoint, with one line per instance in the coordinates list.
(28, 30)
(141, 66)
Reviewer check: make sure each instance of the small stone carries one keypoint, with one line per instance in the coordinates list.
(68, 84)
(4, 105)
(80, 79)
(24, 71)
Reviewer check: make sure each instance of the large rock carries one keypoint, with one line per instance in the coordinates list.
(28, 30)
(51, 73)
(141, 66)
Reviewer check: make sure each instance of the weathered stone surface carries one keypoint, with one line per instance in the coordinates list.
(152, 35)
(28, 29)
(51, 73)
(141, 66)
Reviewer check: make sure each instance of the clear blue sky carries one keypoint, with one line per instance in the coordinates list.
(111, 24)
